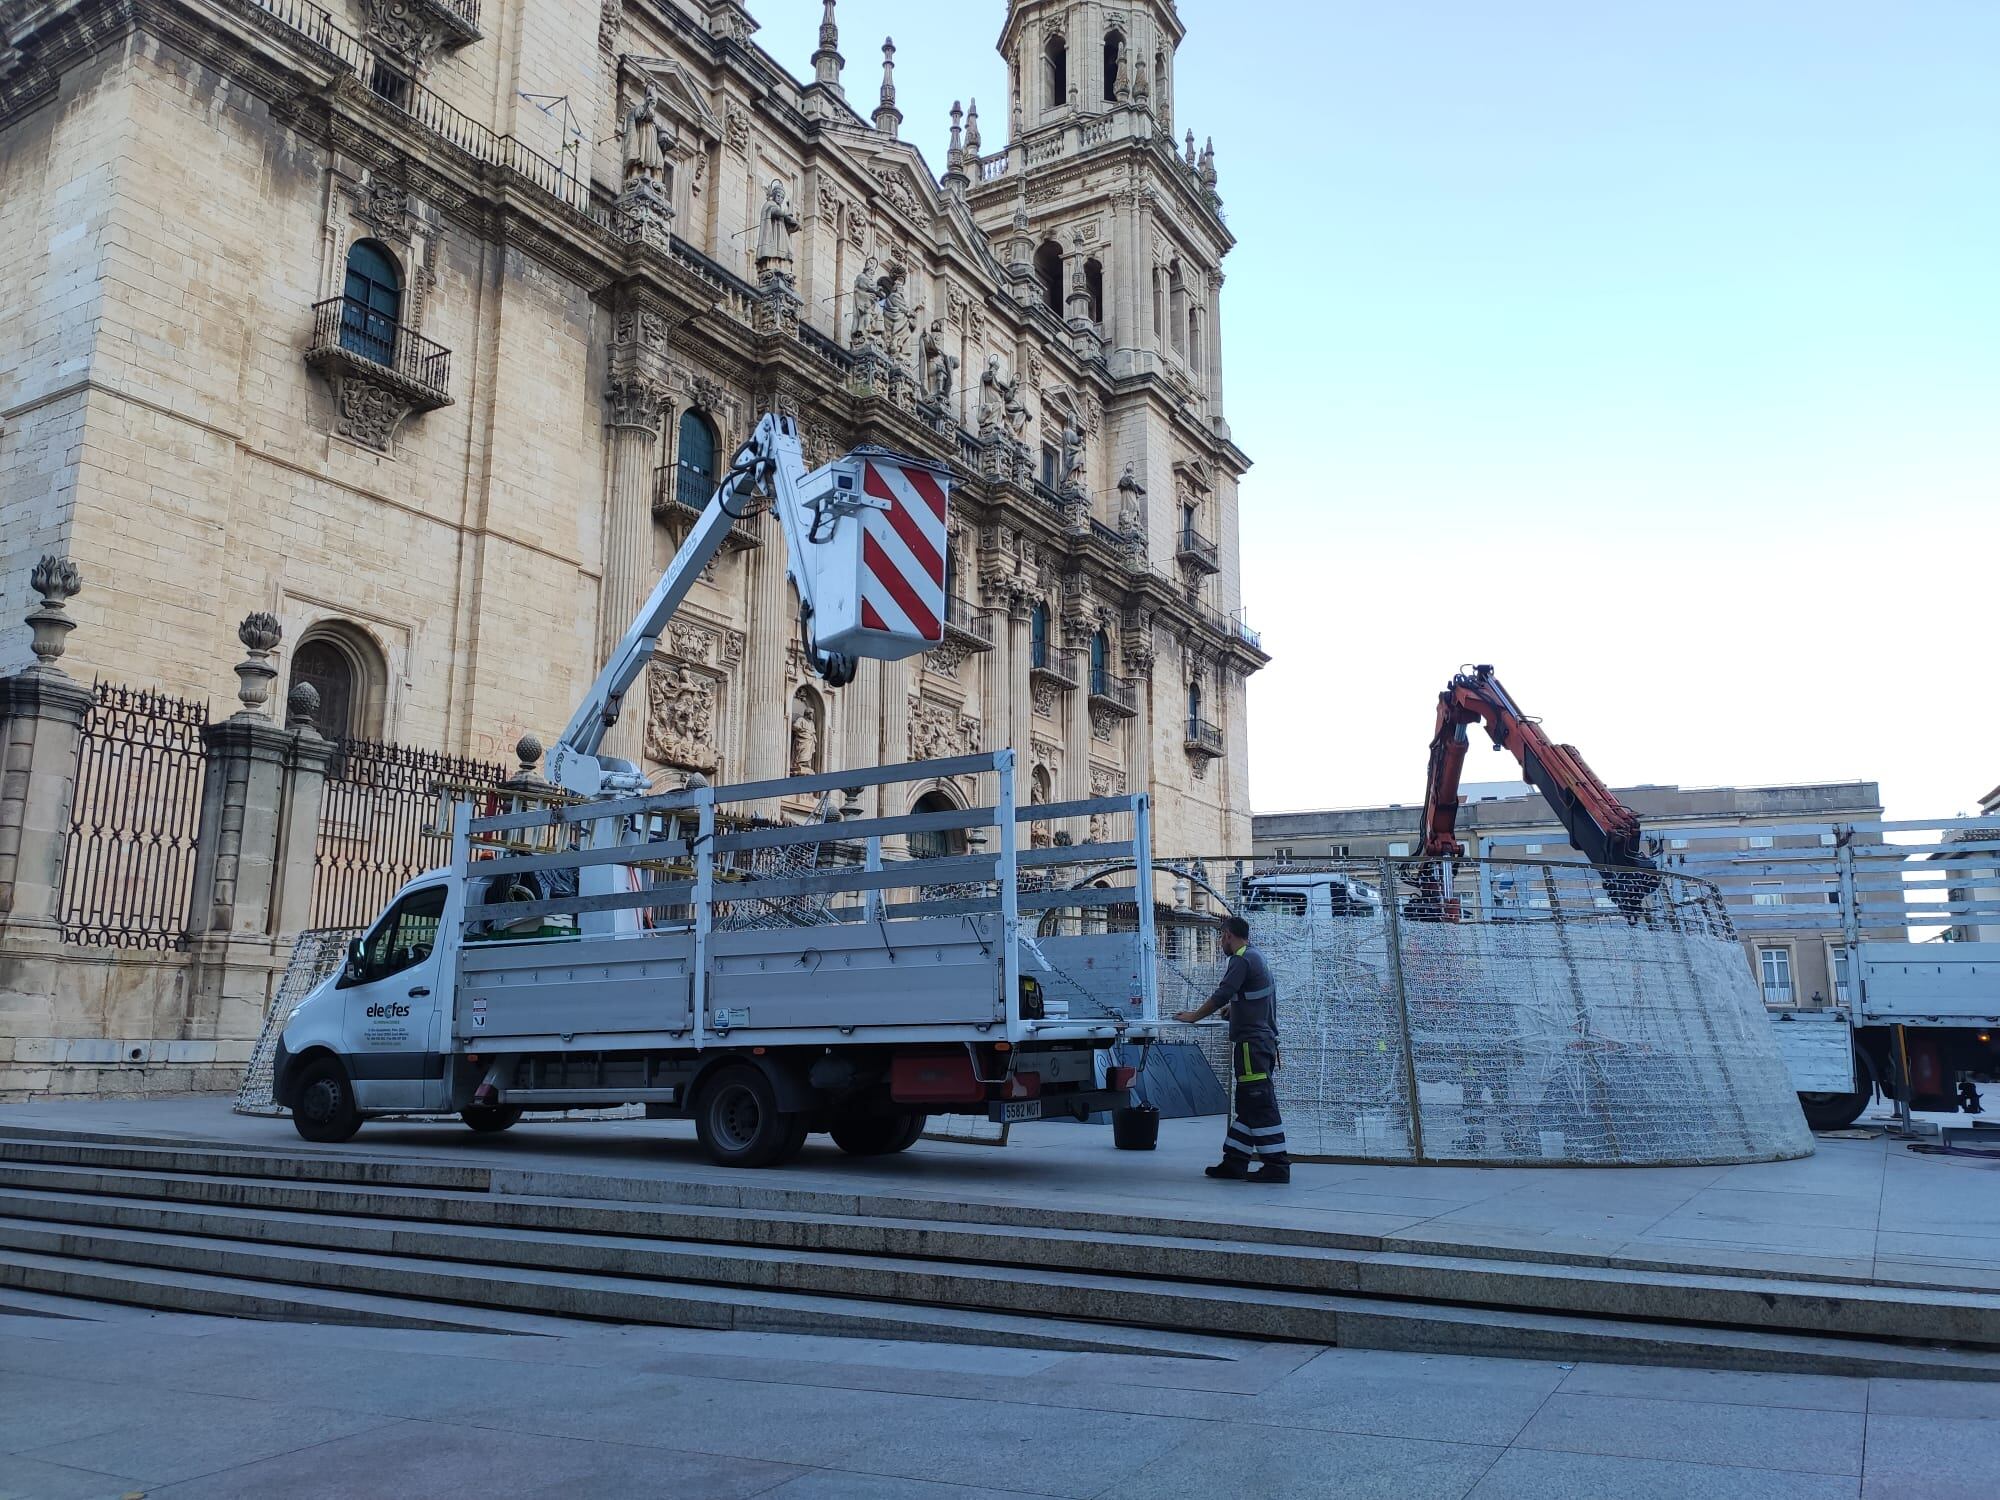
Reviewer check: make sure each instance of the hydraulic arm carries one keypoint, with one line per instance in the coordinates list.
(1600, 827)
(864, 548)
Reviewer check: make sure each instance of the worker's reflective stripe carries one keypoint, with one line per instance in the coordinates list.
(1243, 1072)
(1267, 993)
(1263, 1131)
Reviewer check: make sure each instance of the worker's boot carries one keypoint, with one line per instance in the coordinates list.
(1235, 1168)
(1272, 1171)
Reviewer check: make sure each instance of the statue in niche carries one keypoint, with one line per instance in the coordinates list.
(646, 142)
(1072, 460)
(939, 367)
(866, 329)
(804, 737)
(897, 318)
(992, 400)
(1018, 416)
(774, 233)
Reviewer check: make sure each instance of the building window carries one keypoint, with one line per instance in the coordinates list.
(1774, 967)
(389, 84)
(1100, 664)
(1839, 966)
(695, 461)
(1093, 285)
(1177, 308)
(1049, 272)
(1055, 73)
(1051, 465)
(1114, 50)
(1337, 851)
(1677, 843)
(936, 843)
(1159, 305)
(1760, 841)
(1531, 848)
(1194, 338)
(1038, 636)
(1766, 893)
(373, 303)
(1399, 851)
(1284, 854)
(343, 665)
(1194, 708)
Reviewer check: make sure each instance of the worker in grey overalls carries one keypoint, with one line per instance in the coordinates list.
(1250, 995)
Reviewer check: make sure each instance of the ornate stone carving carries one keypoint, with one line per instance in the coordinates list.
(896, 188)
(948, 659)
(610, 20)
(369, 411)
(680, 717)
(939, 730)
(408, 31)
(383, 204)
(805, 733)
(57, 580)
(776, 225)
(736, 130)
(635, 401)
(260, 634)
(857, 224)
(1045, 699)
(1103, 725)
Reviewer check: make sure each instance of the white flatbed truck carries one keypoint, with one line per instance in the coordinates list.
(610, 945)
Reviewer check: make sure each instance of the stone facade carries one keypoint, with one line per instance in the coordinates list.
(415, 338)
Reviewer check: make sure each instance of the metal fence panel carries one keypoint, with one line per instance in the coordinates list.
(377, 825)
(128, 860)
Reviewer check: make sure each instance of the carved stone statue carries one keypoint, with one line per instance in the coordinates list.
(898, 321)
(866, 329)
(1121, 75)
(805, 739)
(940, 368)
(645, 142)
(774, 233)
(1072, 460)
(992, 400)
(1018, 416)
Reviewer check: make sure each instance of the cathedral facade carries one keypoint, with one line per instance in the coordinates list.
(428, 325)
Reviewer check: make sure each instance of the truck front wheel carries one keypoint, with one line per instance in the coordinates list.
(325, 1112)
(878, 1135)
(491, 1119)
(738, 1119)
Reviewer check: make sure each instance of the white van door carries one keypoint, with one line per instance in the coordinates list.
(391, 993)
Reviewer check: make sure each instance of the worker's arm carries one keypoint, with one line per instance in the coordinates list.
(1233, 979)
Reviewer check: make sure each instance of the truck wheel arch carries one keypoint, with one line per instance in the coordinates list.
(787, 1079)
(294, 1063)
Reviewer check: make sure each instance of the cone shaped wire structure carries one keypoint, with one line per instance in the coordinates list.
(1500, 1013)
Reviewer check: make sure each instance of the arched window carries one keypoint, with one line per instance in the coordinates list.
(1093, 283)
(1100, 663)
(937, 843)
(1194, 708)
(1177, 308)
(1038, 636)
(1114, 54)
(373, 305)
(1055, 74)
(1159, 305)
(694, 484)
(344, 666)
(1049, 271)
(1194, 338)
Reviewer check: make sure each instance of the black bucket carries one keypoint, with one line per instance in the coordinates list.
(1135, 1128)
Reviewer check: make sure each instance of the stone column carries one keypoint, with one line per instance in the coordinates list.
(243, 831)
(1020, 700)
(861, 729)
(637, 403)
(41, 725)
(995, 682)
(765, 684)
(1139, 730)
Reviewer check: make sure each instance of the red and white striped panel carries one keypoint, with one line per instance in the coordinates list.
(902, 551)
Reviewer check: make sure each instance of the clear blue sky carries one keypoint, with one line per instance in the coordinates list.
(1650, 352)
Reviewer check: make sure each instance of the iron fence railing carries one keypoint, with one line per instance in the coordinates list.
(683, 493)
(346, 323)
(968, 623)
(377, 825)
(1120, 694)
(1204, 738)
(1196, 550)
(1053, 665)
(135, 816)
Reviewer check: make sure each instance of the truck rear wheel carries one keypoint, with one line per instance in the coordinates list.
(738, 1119)
(878, 1135)
(1834, 1111)
(326, 1112)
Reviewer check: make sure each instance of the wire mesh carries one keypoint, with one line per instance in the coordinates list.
(315, 955)
(1492, 1012)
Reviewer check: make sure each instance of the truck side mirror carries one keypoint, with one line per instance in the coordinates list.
(356, 957)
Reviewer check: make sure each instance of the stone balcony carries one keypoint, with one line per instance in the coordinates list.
(1204, 740)
(968, 626)
(1196, 552)
(1048, 667)
(680, 495)
(382, 373)
(1113, 695)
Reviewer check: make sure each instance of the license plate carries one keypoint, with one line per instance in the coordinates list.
(1027, 1109)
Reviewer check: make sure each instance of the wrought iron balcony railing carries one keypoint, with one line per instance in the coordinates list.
(681, 494)
(350, 335)
(1049, 665)
(1195, 551)
(1118, 695)
(1203, 738)
(971, 627)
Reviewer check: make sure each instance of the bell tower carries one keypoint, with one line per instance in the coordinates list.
(1067, 58)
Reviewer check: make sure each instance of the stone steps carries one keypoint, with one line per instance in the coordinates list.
(250, 1228)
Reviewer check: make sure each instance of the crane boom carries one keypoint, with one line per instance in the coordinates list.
(821, 515)
(1599, 826)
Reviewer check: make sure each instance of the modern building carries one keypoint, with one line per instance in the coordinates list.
(1786, 907)
(425, 327)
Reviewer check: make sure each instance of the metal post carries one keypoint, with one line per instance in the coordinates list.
(1142, 852)
(1392, 902)
(1010, 900)
(871, 901)
(704, 907)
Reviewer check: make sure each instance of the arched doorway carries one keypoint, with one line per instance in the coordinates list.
(341, 664)
(939, 843)
(695, 461)
(372, 308)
